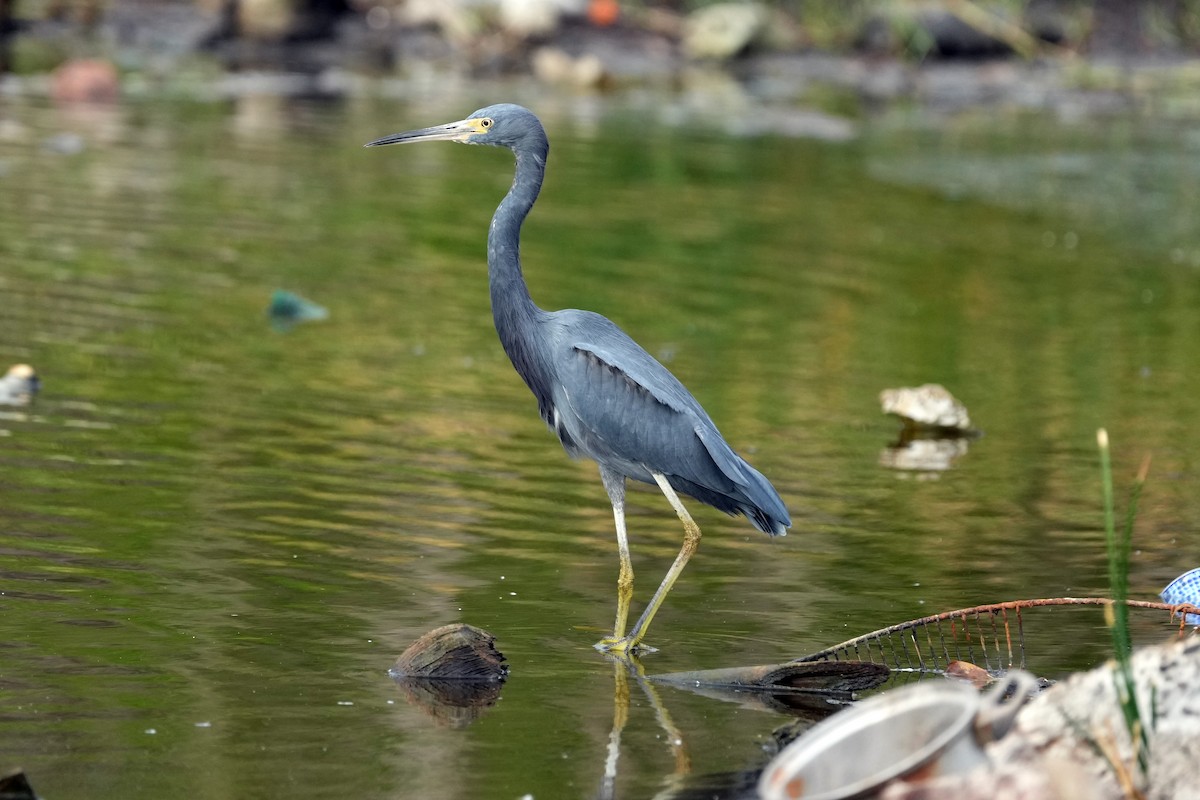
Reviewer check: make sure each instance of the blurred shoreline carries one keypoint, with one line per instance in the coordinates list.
(815, 78)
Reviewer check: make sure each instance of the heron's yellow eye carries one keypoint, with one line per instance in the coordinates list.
(485, 123)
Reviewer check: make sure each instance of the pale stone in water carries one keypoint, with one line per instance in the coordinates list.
(930, 405)
(18, 386)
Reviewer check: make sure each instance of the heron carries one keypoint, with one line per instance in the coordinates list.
(604, 396)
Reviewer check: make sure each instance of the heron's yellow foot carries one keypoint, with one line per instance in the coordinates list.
(623, 646)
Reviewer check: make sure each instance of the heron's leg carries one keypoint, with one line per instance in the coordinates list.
(614, 484)
(691, 541)
(625, 575)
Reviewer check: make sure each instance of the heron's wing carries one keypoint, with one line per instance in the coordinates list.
(638, 419)
(613, 402)
(666, 389)
(597, 338)
(730, 463)
(643, 374)
(621, 403)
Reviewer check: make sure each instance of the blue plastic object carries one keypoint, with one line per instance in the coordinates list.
(1184, 589)
(288, 309)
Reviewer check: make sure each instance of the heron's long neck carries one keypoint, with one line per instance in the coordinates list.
(512, 307)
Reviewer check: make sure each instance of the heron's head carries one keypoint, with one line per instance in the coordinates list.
(504, 124)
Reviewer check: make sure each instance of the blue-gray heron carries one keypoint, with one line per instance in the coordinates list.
(604, 396)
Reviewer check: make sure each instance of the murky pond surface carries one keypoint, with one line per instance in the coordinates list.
(216, 537)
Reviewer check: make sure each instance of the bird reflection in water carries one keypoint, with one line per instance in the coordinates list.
(806, 692)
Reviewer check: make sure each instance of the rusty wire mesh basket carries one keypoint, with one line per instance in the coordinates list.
(995, 637)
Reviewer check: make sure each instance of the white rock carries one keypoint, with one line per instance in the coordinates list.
(930, 405)
(18, 386)
(725, 29)
(536, 17)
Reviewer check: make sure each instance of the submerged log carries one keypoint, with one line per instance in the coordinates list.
(829, 677)
(455, 652)
(810, 689)
(453, 673)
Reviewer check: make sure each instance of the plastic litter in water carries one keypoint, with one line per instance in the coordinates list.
(1184, 589)
(288, 309)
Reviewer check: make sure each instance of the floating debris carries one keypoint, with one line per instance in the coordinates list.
(811, 690)
(19, 386)
(972, 673)
(930, 406)
(841, 677)
(1071, 741)
(288, 309)
(453, 673)
(916, 732)
(457, 652)
(1184, 589)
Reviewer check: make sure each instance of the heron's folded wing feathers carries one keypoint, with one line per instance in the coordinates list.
(643, 373)
(638, 411)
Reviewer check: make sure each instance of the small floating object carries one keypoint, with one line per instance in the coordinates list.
(1184, 589)
(974, 674)
(19, 386)
(920, 731)
(452, 673)
(288, 309)
(928, 407)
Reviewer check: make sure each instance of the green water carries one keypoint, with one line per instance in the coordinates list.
(216, 537)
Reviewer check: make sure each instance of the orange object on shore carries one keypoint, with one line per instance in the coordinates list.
(86, 80)
(603, 12)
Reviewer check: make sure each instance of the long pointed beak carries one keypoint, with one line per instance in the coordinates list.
(460, 131)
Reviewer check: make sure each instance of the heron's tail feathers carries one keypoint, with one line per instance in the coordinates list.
(752, 495)
(765, 508)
